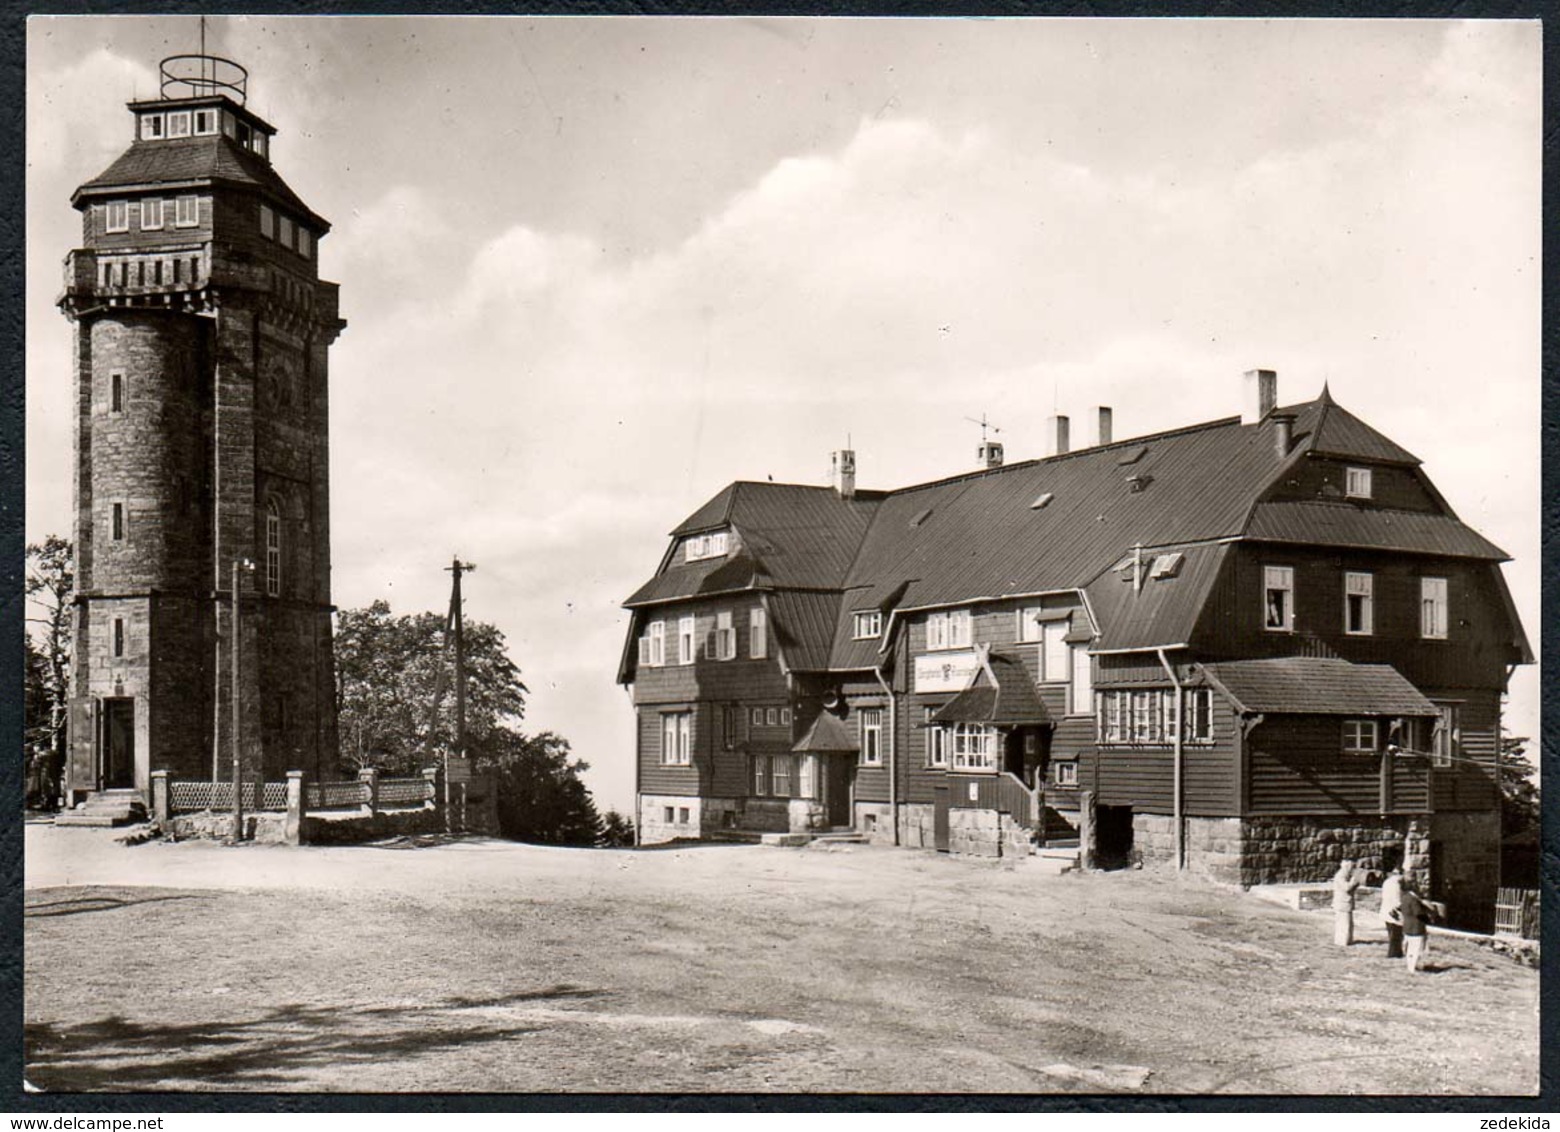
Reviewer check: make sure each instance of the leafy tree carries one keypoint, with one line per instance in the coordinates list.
(391, 672)
(1519, 799)
(50, 584)
(617, 831)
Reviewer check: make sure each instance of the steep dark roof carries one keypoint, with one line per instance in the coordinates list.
(827, 736)
(1325, 523)
(213, 159)
(804, 626)
(1163, 611)
(1337, 432)
(1304, 685)
(1010, 701)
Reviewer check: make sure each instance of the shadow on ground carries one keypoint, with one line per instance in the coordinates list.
(118, 1054)
(76, 905)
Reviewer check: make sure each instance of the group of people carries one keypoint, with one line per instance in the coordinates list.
(1405, 913)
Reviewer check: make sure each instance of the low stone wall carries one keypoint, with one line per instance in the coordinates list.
(653, 824)
(986, 833)
(355, 829)
(1284, 850)
(264, 827)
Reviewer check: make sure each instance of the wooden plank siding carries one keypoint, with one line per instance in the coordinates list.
(1470, 784)
(1320, 477)
(1143, 776)
(1297, 766)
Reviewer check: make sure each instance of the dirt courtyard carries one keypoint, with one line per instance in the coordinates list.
(496, 967)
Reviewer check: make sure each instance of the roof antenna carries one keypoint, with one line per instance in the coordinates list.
(984, 425)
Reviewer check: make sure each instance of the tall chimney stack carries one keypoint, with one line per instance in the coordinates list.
(1261, 395)
(989, 453)
(1056, 435)
(842, 472)
(1283, 433)
(1104, 418)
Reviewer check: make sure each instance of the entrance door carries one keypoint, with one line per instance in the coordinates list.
(940, 816)
(119, 743)
(836, 790)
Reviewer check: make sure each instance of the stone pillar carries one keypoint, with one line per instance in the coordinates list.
(292, 831)
(1088, 840)
(369, 777)
(431, 777)
(161, 803)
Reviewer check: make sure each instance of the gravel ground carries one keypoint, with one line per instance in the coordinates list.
(495, 967)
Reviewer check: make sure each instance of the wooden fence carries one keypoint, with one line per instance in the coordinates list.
(1516, 912)
(367, 791)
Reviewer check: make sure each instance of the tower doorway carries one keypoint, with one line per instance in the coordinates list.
(119, 743)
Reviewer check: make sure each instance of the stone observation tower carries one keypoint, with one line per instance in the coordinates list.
(201, 452)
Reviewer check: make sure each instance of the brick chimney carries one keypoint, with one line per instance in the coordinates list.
(1261, 395)
(1283, 433)
(842, 472)
(1104, 434)
(1056, 435)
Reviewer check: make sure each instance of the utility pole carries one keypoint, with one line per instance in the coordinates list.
(457, 627)
(241, 566)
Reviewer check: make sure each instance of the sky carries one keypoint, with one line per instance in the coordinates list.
(594, 269)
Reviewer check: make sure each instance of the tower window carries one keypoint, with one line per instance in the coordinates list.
(186, 211)
(116, 216)
(303, 241)
(151, 214)
(179, 124)
(119, 522)
(119, 636)
(284, 231)
(151, 127)
(273, 549)
(267, 222)
(205, 121)
(116, 393)
(1357, 483)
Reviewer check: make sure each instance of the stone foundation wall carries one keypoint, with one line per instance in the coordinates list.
(767, 815)
(876, 820)
(1469, 852)
(266, 827)
(986, 833)
(653, 824)
(355, 830)
(716, 814)
(804, 815)
(917, 826)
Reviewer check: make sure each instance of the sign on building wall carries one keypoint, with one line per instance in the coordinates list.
(458, 769)
(945, 671)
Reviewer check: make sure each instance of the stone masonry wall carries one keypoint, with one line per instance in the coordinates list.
(654, 826)
(876, 820)
(986, 833)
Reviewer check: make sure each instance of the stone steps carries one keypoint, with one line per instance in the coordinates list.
(106, 808)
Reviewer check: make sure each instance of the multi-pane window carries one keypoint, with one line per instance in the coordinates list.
(936, 741)
(872, 737)
(1278, 598)
(868, 624)
(1149, 716)
(273, 548)
(205, 121)
(685, 640)
(151, 214)
(758, 717)
(758, 643)
(725, 636)
(781, 773)
(697, 547)
(1432, 608)
(657, 648)
(1358, 614)
(1359, 737)
(677, 738)
(186, 211)
(785, 717)
(1064, 773)
(1446, 737)
(974, 746)
(760, 776)
(771, 717)
(1081, 694)
(151, 127)
(116, 216)
(179, 124)
(1356, 483)
(949, 630)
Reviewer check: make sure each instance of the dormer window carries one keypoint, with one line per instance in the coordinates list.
(868, 624)
(1356, 483)
(179, 124)
(151, 127)
(700, 547)
(205, 121)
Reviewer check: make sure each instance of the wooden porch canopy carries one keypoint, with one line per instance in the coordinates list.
(1002, 694)
(1314, 685)
(827, 736)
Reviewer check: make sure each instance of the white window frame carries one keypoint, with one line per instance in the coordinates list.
(699, 547)
(772, 717)
(644, 648)
(785, 717)
(948, 629)
(1354, 732)
(1029, 625)
(1434, 606)
(760, 776)
(974, 748)
(210, 126)
(186, 211)
(725, 636)
(676, 738)
(1199, 710)
(782, 776)
(152, 127)
(871, 736)
(1357, 483)
(758, 636)
(151, 214)
(267, 221)
(1064, 772)
(1055, 661)
(273, 548)
(121, 208)
(1080, 693)
(1359, 584)
(1279, 579)
(758, 717)
(687, 640)
(867, 624)
(936, 741)
(1446, 735)
(178, 123)
(657, 644)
